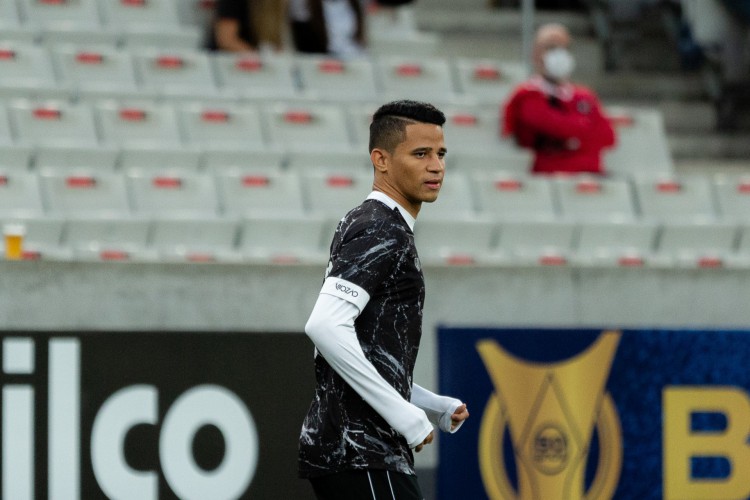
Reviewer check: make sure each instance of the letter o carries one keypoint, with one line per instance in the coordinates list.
(196, 407)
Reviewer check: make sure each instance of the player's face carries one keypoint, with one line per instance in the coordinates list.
(417, 166)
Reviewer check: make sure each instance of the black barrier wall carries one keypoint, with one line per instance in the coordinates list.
(159, 415)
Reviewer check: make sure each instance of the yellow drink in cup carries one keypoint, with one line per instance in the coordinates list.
(14, 234)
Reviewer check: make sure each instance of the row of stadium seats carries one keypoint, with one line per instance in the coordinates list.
(106, 127)
(291, 240)
(93, 70)
(495, 196)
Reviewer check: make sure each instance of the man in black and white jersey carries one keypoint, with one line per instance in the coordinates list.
(367, 414)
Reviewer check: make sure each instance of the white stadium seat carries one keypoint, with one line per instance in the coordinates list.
(510, 196)
(355, 162)
(284, 240)
(308, 126)
(537, 243)
(15, 158)
(255, 77)
(111, 239)
(26, 70)
(43, 239)
(454, 242)
(175, 73)
(455, 200)
(333, 195)
(426, 79)
(173, 195)
(671, 198)
(248, 193)
(587, 198)
(88, 196)
(733, 197)
(223, 127)
(641, 146)
(475, 128)
(488, 81)
(194, 240)
(695, 245)
(623, 244)
(146, 125)
(54, 123)
(20, 195)
(140, 15)
(336, 80)
(98, 70)
(266, 160)
(68, 15)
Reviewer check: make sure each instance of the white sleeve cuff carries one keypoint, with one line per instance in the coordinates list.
(439, 409)
(346, 290)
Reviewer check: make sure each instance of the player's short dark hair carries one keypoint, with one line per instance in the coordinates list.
(388, 127)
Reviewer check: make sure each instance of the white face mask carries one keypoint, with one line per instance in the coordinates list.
(558, 64)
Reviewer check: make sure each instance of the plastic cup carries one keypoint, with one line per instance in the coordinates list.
(14, 234)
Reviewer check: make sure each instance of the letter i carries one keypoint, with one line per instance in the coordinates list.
(18, 421)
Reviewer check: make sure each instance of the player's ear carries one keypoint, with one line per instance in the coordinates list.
(379, 159)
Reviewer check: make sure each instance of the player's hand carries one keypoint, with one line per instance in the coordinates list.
(427, 440)
(459, 416)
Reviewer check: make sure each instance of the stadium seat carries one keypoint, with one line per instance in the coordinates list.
(354, 162)
(20, 195)
(252, 193)
(623, 244)
(517, 161)
(173, 195)
(6, 137)
(255, 77)
(488, 81)
(9, 16)
(140, 15)
(198, 13)
(68, 15)
(145, 125)
(194, 240)
(43, 239)
(510, 196)
(420, 43)
(15, 158)
(741, 258)
(695, 245)
(159, 161)
(218, 127)
(535, 243)
(175, 73)
(111, 239)
(586, 198)
(96, 70)
(333, 195)
(475, 128)
(453, 242)
(53, 123)
(671, 198)
(308, 127)
(222, 161)
(426, 79)
(26, 71)
(54, 38)
(325, 78)
(733, 197)
(455, 200)
(641, 146)
(360, 118)
(102, 195)
(182, 38)
(69, 160)
(284, 240)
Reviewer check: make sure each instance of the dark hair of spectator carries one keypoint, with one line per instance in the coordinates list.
(388, 127)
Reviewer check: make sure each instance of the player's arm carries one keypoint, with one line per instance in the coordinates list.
(445, 413)
(331, 328)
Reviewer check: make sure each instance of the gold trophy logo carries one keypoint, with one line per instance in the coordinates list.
(550, 411)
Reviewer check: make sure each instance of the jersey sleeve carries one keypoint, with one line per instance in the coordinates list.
(363, 260)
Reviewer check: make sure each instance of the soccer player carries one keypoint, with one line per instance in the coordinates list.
(367, 414)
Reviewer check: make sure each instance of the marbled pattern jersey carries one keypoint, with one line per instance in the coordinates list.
(373, 248)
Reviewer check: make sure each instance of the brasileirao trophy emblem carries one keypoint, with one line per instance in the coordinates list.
(551, 411)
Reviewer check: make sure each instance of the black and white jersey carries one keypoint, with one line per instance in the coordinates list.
(374, 265)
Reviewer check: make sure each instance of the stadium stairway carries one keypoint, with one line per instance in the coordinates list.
(648, 75)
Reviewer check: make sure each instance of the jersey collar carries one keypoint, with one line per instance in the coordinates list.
(390, 203)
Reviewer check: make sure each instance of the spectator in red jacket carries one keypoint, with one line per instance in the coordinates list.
(563, 123)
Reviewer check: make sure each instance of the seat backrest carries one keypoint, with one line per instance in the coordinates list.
(63, 14)
(616, 243)
(107, 239)
(487, 80)
(15, 158)
(333, 195)
(687, 198)
(333, 79)
(139, 124)
(284, 240)
(244, 192)
(545, 243)
(355, 162)
(6, 137)
(509, 196)
(173, 195)
(43, 237)
(218, 161)
(308, 126)
(54, 123)
(20, 195)
(25, 65)
(91, 195)
(417, 78)
(255, 77)
(455, 200)
(194, 239)
(224, 127)
(140, 14)
(174, 72)
(9, 17)
(474, 128)
(641, 145)
(703, 245)
(97, 67)
(587, 198)
(454, 242)
(733, 197)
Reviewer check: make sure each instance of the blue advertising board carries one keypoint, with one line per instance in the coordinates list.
(589, 413)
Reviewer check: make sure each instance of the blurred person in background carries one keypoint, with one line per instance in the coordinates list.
(335, 27)
(247, 25)
(562, 122)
